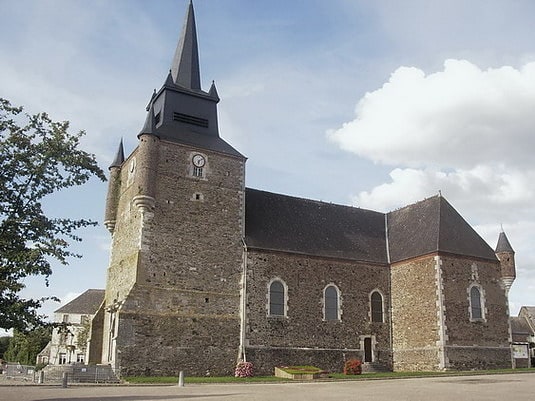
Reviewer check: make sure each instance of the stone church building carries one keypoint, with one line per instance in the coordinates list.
(205, 272)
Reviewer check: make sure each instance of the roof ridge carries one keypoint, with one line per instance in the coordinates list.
(313, 200)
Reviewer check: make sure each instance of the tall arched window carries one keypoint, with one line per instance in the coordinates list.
(476, 304)
(376, 301)
(277, 298)
(331, 303)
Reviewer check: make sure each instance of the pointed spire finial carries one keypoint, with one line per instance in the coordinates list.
(119, 157)
(213, 92)
(185, 68)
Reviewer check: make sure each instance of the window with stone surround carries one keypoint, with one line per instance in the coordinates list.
(277, 295)
(477, 303)
(376, 307)
(331, 303)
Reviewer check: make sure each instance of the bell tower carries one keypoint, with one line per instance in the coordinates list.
(175, 211)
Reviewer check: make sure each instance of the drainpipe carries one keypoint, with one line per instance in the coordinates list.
(391, 330)
(243, 307)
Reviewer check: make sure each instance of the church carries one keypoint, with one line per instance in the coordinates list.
(205, 272)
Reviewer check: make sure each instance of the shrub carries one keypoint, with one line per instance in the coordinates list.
(244, 369)
(353, 366)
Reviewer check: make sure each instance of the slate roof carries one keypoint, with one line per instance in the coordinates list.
(85, 304)
(285, 223)
(181, 111)
(520, 329)
(433, 225)
(119, 156)
(503, 244)
(192, 138)
(529, 313)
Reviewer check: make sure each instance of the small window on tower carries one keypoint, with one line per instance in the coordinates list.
(197, 171)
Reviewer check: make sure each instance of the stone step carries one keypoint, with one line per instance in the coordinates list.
(374, 367)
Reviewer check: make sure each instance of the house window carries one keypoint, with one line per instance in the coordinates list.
(65, 318)
(277, 298)
(477, 307)
(84, 319)
(80, 358)
(331, 309)
(62, 358)
(376, 304)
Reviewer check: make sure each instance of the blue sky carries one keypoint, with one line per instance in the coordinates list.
(377, 104)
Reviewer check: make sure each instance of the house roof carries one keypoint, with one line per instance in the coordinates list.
(520, 328)
(433, 225)
(285, 223)
(85, 304)
(529, 313)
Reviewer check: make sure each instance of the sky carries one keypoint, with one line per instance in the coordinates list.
(376, 104)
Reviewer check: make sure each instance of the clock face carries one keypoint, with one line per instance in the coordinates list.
(198, 161)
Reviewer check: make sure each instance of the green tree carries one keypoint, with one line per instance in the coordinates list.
(4, 343)
(38, 157)
(24, 347)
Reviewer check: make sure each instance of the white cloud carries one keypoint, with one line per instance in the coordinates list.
(462, 116)
(484, 191)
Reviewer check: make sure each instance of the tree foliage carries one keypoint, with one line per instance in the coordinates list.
(38, 157)
(4, 344)
(24, 347)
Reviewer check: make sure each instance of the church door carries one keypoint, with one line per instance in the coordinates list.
(368, 352)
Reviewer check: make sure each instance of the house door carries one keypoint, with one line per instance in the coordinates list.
(368, 352)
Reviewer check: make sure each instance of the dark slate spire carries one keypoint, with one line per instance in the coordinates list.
(503, 244)
(181, 111)
(119, 157)
(185, 68)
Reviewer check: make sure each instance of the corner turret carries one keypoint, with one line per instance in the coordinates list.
(112, 198)
(506, 255)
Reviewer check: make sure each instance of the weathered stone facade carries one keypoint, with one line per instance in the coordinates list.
(432, 324)
(172, 293)
(204, 272)
(304, 335)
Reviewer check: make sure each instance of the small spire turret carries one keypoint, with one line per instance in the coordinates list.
(119, 157)
(149, 127)
(213, 92)
(506, 255)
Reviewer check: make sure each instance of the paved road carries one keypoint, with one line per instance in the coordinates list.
(512, 387)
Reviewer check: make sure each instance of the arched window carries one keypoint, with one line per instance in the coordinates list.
(476, 303)
(331, 303)
(277, 298)
(376, 301)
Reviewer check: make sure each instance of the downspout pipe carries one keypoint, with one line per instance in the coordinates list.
(243, 307)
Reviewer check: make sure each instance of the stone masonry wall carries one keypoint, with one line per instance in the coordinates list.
(475, 343)
(122, 269)
(183, 312)
(303, 336)
(414, 315)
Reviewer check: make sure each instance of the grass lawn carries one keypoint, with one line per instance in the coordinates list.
(332, 376)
